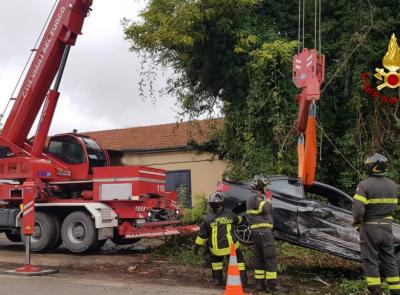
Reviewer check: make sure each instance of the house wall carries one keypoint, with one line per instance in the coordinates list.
(206, 169)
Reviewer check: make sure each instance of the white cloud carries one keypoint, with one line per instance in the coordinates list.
(100, 85)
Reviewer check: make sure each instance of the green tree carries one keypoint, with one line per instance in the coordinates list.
(238, 54)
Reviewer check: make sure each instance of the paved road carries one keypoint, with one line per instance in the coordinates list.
(102, 273)
(90, 284)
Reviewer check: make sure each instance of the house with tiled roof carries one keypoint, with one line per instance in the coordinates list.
(168, 147)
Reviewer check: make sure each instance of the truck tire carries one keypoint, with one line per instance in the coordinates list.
(15, 238)
(242, 231)
(46, 232)
(78, 232)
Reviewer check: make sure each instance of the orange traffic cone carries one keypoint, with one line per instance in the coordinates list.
(233, 282)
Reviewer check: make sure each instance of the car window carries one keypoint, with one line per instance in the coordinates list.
(291, 187)
(328, 195)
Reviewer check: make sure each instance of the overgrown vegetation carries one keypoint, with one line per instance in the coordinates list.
(236, 54)
(196, 213)
(301, 270)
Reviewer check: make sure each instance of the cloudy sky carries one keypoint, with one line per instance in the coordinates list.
(100, 88)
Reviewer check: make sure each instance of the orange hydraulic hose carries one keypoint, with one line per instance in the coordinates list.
(310, 156)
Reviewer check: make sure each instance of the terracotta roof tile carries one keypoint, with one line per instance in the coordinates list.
(156, 136)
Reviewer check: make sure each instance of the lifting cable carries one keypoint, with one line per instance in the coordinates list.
(12, 98)
(337, 149)
(308, 75)
(306, 153)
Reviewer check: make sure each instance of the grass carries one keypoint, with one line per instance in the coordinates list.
(303, 271)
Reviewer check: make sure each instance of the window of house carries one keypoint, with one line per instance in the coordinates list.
(180, 181)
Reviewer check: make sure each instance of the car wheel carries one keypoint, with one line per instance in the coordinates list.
(242, 231)
(78, 232)
(46, 232)
(13, 237)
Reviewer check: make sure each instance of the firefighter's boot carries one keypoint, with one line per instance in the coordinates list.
(243, 278)
(260, 285)
(271, 285)
(375, 290)
(218, 277)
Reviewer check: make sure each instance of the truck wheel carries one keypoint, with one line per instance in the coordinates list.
(46, 232)
(242, 231)
(13, 237)
(78, 232)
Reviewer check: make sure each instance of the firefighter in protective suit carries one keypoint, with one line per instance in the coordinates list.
(375, 201)
(259, 216)
(216, 232)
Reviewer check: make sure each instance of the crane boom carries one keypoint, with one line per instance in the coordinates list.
(63, 29)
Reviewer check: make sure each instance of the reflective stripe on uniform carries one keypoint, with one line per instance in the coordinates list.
(361, 199)
(214, 236)
(217, 265)
(259, 274)
(258, 211)
(392, 279)
(200, 241)
(375, 201)
(271, 275)
(389, 217)
(393, 283)
(373, 281)
(259, 225)
(240, 220)
(383, 201)
(228, 234)
(223, 251)
(241, 266)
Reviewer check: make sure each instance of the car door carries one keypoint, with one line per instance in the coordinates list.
(287, 193)
(325, 220)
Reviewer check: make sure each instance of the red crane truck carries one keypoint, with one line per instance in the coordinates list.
(62, 189)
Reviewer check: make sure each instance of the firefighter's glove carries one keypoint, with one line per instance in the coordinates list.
(196, 250)
(356, 225)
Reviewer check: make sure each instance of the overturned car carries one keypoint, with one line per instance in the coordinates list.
(317, 217)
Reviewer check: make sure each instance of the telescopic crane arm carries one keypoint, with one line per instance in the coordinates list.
(61, 33)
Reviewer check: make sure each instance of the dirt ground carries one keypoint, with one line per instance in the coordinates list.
(300, 273)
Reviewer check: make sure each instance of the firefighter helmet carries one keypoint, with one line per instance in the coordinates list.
(216, 202)
(376, 164)
(259, 182)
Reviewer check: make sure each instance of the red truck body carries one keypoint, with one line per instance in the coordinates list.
(79, 199)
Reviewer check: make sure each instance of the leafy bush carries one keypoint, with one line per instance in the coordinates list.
(195, 214)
